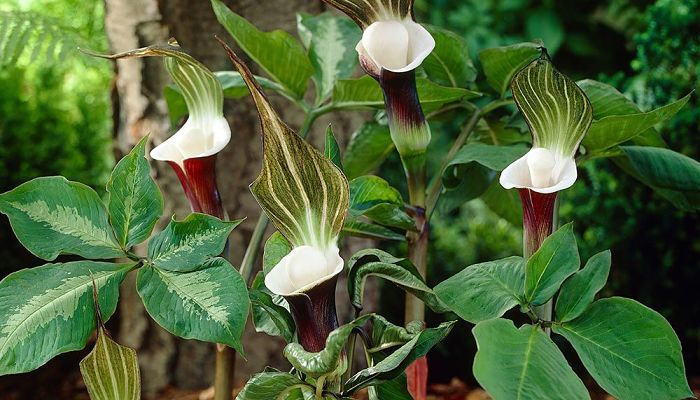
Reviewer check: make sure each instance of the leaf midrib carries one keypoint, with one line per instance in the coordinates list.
(526, 360)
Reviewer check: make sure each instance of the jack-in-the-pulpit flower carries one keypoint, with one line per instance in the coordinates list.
(192, 150)
(558, 114)
(306, 197)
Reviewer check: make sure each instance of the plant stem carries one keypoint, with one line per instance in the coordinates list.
(224, 371)
(418, 254)
(253, 249)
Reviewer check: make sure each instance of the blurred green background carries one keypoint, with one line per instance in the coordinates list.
(55, 118)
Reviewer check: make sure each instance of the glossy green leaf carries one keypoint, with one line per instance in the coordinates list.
(449, 63)
(184, 245)
(395, 389)
(578, 292)
(616, 129)
(331, 42)
(505, 203)
(209, 303)
(276, 247)
(52, 216)
(556, 260)
(629, 349)
(49, 310)
(386, 335)
(374, 198)
(394, 365)
(277, 386)
(135, 202)
(111, 371)
(522, 364)
(331, 148)
(270, 317)
(557, 111)
(277, 52)
(368, 148)
(401, 272)
(359, 228)
(484, 291)
(500, 64)
(302, 192)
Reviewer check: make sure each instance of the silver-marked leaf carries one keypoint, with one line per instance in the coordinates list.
(276, 52)
(276, 247)
(111, 371)
(302, 192)
(522, 364)
(500, 64)
(449, 63)
(276, 385)
(365, 12)
(135, 202)
(616, 129)
(374, 198)
(185, 245)
(331, 42)
(555, 260)
(556, 110)
(369, 146)
(209, 304)
(52, 216)
(401, 272)
(484, 291)
(49, 310)
(629, 349)
(359, 228)
(578, 292)
(331, 148)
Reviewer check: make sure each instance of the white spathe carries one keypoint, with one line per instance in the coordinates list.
(198, 137)
(540, 170)
(303, 268)
(397, 46)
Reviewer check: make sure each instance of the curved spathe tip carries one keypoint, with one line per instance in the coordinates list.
(201, 137)
(397, 46)
(532, 172)
(303, 268)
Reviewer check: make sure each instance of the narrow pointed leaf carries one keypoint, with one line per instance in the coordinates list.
(484, 291)
(364, 12)
(359, 228)
(369, 146)
(52, 216)
(111, 371)
(500, 64)
(629, 349)
(449, 63)
(49, 310)
(184, 245)
(276, 385)
(556, 110)
(302, 192)
(209, 304)
(331, 148)
(522, 364)
(276, 52)
(135, 202)
(578, 292)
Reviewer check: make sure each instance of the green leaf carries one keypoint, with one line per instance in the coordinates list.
(386, 335)
(501, 63)
(449, 63)
(111, 371)
(484, 291)
(135, 202)
(331, 42)
(629, 349)
(331, 148)
(209, 304)
(52, 216)
(374, 198)
(368, 148)
(276, 247)
(270, 317)
(578, 292)
(556, 260)
(616, 129)
(49, 310)
(522, 364)
(395, 389)
(505, 203)
(277, 52)
(365, 93)
(184, 245)
(557, 111)
(277, 386)
(359, 228)
(395, 364)
(396, 270)
(327, 360)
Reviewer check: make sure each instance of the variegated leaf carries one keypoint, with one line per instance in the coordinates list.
(365, 12)
(304, 194)
(49, 310)
(52, 216)
(556, 110)
(210, 303)
(111, 371)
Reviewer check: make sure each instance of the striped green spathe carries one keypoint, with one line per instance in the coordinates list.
(111, 371)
